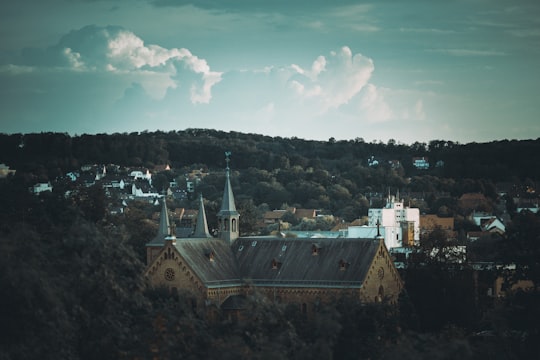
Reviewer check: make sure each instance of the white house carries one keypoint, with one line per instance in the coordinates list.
(41, 187)
(421, 163)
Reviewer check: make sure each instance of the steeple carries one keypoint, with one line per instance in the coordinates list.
(201, 228)
(164, 224)
(227, 204)
(228, 217)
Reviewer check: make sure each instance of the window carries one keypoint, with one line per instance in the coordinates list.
(169, 274)
(233, 225)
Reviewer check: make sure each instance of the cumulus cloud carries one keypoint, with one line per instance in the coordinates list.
(117, 50)
(335, 80)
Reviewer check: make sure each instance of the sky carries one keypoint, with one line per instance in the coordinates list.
(417, 70)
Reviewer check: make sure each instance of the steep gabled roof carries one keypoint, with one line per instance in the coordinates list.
(201, 228)
(211, 259)
(305, 262)
(164, 228)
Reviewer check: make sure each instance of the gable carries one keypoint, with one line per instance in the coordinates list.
(169, 269)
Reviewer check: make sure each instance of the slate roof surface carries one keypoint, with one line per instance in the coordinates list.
(295, 264)
(211, 259)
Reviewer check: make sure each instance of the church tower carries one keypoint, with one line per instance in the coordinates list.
(228, 217)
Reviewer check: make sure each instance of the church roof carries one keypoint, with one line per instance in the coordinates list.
(305, 262)
(211, 259)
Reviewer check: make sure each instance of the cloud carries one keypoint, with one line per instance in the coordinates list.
(333, 81)
(117, 50)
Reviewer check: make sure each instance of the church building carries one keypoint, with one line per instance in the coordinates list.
(219, 271)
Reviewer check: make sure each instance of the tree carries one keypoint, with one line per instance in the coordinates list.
(522, 247)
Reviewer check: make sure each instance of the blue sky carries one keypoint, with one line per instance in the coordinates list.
(410, 71)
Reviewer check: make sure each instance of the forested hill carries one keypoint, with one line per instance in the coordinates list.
(59, 153)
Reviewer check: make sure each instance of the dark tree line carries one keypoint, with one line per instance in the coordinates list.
(497, 160)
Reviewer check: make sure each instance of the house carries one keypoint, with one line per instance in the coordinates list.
(372, 162)
(143, 174)
(5, 171)
(493, 225)
(429, 222)
(220, 271)
(41, 187)
(421, 163)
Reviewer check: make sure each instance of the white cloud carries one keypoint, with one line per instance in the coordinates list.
(373, 106)
(119, 51)
(335, 80)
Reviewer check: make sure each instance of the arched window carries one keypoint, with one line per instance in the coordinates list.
(234, 225)
(380, 296)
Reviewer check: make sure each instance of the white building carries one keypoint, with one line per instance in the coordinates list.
(41, 187)
(399, 225)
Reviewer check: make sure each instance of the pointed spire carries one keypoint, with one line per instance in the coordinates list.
(201, 228)
(228, 217)
(164, 224)
(228, 206)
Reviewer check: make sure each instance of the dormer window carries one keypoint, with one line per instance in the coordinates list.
(343, 265)
(276, 264)
(315, 249)
(210, 255)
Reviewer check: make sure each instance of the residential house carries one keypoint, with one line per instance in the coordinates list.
(421, 163)
(41, 187)
(429, 222)
(5, 171)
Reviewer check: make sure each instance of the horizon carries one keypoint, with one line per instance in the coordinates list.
(382, 71)
(359, 139)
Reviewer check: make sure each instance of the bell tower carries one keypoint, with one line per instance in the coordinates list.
(228, 217)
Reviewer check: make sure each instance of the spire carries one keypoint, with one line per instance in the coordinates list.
(201, 228)
(228, 217)
(164, 224)
(227, 206)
